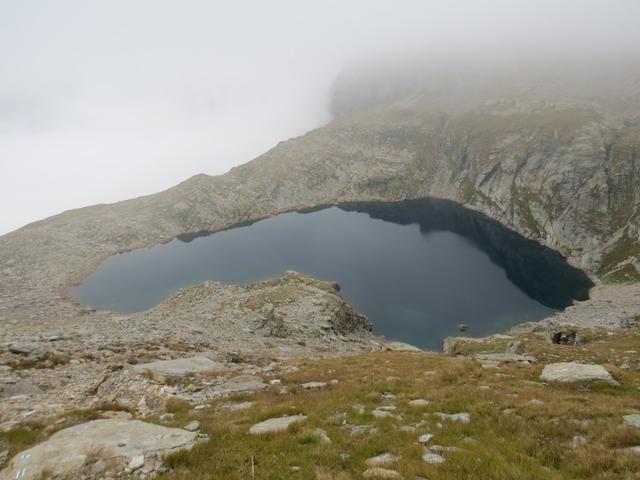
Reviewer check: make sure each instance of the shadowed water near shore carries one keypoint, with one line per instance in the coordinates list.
(415, 268)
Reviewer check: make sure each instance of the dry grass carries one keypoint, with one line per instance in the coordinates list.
(520, 428)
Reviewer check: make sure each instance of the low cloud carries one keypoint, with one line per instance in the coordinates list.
(101, 101)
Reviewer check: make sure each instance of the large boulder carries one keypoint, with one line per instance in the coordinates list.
(572, 372)
(179, 367)
(112, 441)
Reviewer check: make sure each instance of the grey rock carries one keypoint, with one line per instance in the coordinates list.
(499, 358)
(179, 367)
(572, 372)
(384, 473)
(512, 346)
(455, 417)
(235, 406)
(320, 432)
(29, 349)
(136, 462)
(313, 385)
(632, 420)
(578, 441)
(66, 451)
(241, 383)
(402, 347)
(192, 426)
(276, 424)
(379, 413)
(432, 458)
(358, 430)
(381, 459)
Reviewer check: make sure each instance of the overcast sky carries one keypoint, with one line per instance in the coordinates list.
(105, 100)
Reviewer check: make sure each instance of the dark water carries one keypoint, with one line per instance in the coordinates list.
(415, 268)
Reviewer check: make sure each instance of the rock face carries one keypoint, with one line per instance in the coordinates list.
(571, 372)
(68, 450)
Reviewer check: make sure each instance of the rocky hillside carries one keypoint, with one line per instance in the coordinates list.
(563, 173)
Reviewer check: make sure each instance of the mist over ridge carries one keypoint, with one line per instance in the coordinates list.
(101, 102)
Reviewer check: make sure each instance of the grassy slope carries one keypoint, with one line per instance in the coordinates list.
(508, 437)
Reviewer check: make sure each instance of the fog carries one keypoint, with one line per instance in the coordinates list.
(105, 100)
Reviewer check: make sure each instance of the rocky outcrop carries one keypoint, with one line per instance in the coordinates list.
(99, 447)
(201, 343)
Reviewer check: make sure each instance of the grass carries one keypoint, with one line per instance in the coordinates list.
(520, 427)
(509, 436)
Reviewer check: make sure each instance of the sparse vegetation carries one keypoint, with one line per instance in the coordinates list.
(622, 250)
(520, 428)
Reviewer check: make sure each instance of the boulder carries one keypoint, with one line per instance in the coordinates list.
(378, 472)
(276, 424)
(68, 450)
(382, 459)
(241, 384)
(455, 417)
(572, 372)
(313, 385)
(402, 347)
(28, 349)
(192, 426)
(495, 359)
(632, 420)
(432, 458)
(179, 367)
(235, 406)
(322, 434)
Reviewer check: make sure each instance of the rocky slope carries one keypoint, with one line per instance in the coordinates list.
(561, 173)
